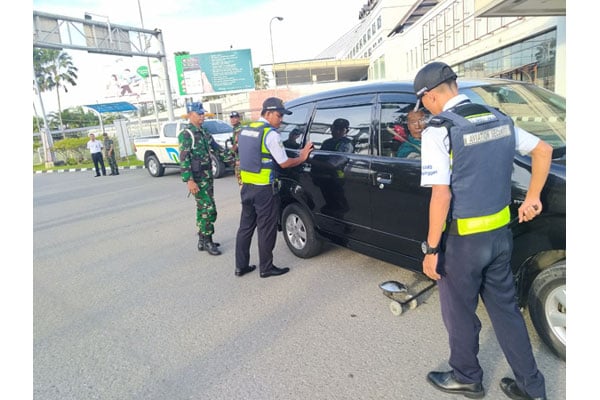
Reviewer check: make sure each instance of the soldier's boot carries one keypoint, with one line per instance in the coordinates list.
(201, 246)
(200, 242)
(211, 247)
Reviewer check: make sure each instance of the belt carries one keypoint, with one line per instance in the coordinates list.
(485, 223)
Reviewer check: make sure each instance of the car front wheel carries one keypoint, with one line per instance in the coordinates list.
(218, 167)
(299, 232)
(548, 307)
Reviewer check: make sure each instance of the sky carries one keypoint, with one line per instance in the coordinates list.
(308, 27)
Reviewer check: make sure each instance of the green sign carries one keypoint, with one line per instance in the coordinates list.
(143, 71)
(224, 71)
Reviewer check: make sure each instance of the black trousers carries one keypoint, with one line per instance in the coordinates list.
(474, 266)
(260, 208)
(98, 162)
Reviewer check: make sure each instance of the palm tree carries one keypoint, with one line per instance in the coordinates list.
(54, 69)
(261, 78)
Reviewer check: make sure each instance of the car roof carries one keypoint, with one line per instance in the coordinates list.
(389, 86)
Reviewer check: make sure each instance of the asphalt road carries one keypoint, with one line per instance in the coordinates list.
(125, 307)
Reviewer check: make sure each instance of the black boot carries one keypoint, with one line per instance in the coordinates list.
(211, 247)
(201, 242)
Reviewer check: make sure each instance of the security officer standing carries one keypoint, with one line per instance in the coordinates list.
(234, 118)
(261, 152)
(195, 147)
(109, 147)
(467, 160)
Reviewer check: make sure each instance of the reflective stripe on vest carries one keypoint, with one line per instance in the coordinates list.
(486, 223)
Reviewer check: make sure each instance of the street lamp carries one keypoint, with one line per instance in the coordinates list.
(272, 53)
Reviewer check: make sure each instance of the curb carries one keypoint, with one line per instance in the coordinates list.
(61, 171)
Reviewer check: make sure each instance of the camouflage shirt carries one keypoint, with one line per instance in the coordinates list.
(195, 147)
(234, 139)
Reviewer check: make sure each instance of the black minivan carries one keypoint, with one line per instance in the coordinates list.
(371, 201)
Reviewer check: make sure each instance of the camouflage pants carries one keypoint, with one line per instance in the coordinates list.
(206, 210)
(237, 172)
(112, 161)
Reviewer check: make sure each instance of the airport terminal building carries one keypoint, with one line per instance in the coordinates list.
(523, 40)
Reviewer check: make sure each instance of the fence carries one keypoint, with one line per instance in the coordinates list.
(123, 130)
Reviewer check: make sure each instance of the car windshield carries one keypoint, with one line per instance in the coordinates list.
(538, 111)
(216, 126)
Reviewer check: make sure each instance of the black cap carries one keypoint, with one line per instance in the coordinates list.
(341, 123)
(275, 104)
(430, 76)
(234, 114)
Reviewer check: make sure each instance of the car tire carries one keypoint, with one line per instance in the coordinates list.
(299, 232)
(548, 307)
(154, 167)
(218, 166)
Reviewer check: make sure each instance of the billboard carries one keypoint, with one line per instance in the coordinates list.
(125, 79)
(223, 71)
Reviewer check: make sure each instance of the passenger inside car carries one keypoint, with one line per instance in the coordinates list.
(339, 141)
(411, 147)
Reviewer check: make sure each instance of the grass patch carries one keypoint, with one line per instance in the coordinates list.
(130, 161)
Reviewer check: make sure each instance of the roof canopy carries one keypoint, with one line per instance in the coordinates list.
(112, 107)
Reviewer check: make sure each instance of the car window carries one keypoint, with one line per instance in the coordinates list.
(295, 122)
(170, 130)
(359, 123)
(538, 111)
(215, 126)
(393, 128)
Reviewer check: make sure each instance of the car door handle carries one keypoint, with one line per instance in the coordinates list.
(384, 179)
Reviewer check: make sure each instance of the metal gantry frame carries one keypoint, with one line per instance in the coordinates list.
(51, 31)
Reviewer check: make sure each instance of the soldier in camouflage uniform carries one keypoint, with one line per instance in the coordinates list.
(109, 147)
(234, 118)
(195, 146)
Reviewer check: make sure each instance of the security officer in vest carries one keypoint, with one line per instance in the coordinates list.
(195, 146)
(261, 152)
(467, 160)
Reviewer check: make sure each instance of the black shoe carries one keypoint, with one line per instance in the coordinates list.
(510, 388)
(446, 382)
(244, 271)
(95, 176)
(274, 271)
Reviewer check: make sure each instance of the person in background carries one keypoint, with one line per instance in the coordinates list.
(95, 148)
(339, 141)
(195, 147)
(467, 160)
(261, 152)
(411, 147)
(109, 147)
(234, 119)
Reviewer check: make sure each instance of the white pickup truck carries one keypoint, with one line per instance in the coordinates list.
(162, 151)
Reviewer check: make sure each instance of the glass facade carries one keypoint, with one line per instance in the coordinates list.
(531, 60)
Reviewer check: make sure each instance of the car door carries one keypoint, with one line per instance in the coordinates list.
(339, 181)
(399, 205)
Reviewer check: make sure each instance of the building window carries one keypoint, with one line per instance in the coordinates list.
(531, 60)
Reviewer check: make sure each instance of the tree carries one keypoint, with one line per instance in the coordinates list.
(54, 70)
(261, 78)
